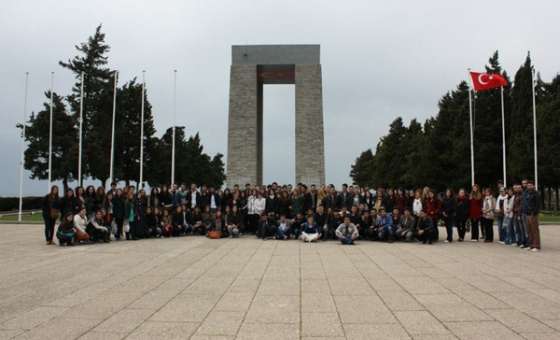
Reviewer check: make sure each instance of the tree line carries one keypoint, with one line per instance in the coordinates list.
(193, 165)
(436, 152)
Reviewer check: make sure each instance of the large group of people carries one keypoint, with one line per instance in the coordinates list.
(308, 213)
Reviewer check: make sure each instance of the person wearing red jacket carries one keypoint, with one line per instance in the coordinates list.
(475, 212)
(432, 208)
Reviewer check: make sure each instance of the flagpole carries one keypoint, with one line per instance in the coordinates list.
(503, 136)
(533, 82)
(81, 127)
(140, 185)
(472, 139)
(174, 124)
(116, 78)
(23, 146)
(51, 130)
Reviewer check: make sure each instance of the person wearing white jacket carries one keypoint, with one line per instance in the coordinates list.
(499, 213)
(507, 224)
(256, 205)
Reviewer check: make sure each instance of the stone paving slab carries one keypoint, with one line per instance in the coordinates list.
(202, 289)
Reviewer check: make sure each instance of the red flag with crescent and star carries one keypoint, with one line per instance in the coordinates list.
(487, 81)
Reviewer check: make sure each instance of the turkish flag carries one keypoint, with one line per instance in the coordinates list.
(487, 81)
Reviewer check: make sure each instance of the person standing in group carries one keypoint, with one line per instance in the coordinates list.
(500, 213)
(475, 211)
(417, 203)
(432, 206)
(51, 212)
(518, 224)
(462, 214)
(488, 209)
(533, 209)
(507, 223)
(449, 208)
(118, 213)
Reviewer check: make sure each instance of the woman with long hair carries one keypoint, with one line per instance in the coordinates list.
(448, 211)
(65, 232)
(462, 214)
(51, 212)
(488, 211)
(475, 211)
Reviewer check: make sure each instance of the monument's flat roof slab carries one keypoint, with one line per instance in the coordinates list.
(275, 54)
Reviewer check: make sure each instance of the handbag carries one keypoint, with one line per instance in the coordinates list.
(54, 213)
(81, 235)
(214, 234)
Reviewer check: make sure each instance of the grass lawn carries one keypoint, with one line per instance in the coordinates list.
(550, 217)
(26, 218)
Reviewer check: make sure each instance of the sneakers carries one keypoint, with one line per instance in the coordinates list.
(501, 242)
(534, 250)
(445, 241)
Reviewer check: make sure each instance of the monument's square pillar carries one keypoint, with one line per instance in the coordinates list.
(252, 67)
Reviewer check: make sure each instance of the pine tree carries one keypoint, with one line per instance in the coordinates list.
(520, 142)
(362, 170)
(127, 132)
(64, 143)
(98, 93)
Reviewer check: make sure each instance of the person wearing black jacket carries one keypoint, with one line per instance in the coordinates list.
(345, 198)
(69, 203)
(448, 210)
(425, 230)
(533, 209)
(462, 214)
(118, 212)
(321, 219)
(51, 212)
(178, 221)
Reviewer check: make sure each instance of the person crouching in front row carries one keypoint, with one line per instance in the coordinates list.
(310, 230)
(283, 230)
(166, 224)
(266, 228)
(65, 232)
(233, 221)
(97, 229)
(425, 229)
(347, 232)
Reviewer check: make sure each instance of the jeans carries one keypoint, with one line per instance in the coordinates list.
(501, 231)
(347, 240)
(49, 228)
(474, 228)
(507, 230)
(520, 231)
(488, 229)
(461, 228)
(386, 233)
(449, 228)
(282, 234)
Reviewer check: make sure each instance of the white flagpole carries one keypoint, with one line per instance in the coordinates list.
(140, 182)
(174, 124)
(81, 126)
(503, 137)
(533, 82)
(21, 164)
(116, 75)
(472, 139)
(51, 130)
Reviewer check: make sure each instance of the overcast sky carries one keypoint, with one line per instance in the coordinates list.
(380, 60)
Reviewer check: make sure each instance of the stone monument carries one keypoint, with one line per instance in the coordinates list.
(253, 66)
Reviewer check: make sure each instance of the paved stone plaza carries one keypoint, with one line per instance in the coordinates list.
(252, 289)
